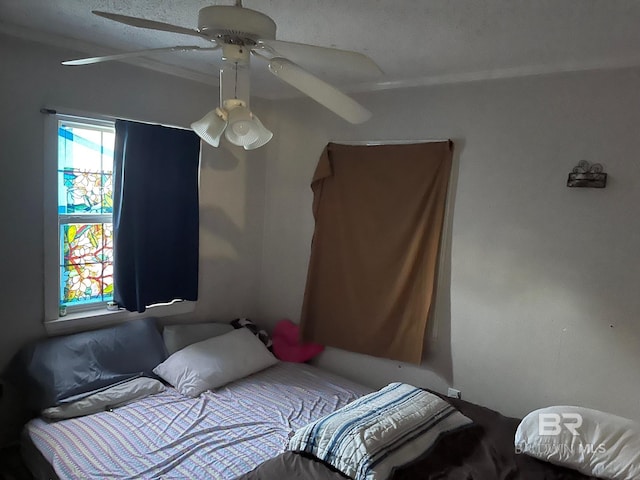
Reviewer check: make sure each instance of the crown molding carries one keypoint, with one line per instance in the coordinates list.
(499, 74)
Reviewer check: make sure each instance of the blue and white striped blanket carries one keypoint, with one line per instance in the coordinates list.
(385, 429)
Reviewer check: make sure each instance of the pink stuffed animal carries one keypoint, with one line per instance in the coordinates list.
(287, 347)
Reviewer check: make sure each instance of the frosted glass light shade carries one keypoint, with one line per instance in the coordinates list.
(239, 125)
(264, 135)
(211, 126)
(245, 129)
(241, 129)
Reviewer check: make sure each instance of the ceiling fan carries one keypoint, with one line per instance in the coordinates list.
(240, 32)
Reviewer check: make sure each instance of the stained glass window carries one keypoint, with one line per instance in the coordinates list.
(85, 207)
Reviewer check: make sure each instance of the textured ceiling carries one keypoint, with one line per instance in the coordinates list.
(415, 42)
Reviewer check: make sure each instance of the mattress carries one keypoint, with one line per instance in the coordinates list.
(483, 451)
(218, 435)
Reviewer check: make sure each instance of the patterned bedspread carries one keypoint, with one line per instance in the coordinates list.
(218, 435)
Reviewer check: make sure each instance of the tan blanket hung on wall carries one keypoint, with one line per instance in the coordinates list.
(378, 218)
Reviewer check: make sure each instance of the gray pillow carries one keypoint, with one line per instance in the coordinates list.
(176, 337)
(67, 368)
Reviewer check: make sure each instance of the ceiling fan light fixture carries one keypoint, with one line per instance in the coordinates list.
(244, 129)
(210, 127)
(240, 32)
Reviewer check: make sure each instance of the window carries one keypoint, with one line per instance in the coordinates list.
(78, 229)
(85, 208)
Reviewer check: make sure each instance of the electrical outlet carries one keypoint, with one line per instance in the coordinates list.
(453, 393)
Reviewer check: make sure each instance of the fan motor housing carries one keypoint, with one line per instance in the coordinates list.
(236, 22)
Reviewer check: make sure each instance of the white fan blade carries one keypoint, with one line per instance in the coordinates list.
(138, 53)
(319, 90)
(312, 55)
(151, 24)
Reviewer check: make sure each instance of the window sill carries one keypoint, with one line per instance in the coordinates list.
(91, 319)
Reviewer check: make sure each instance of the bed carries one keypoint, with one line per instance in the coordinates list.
(217, 435)
(252, 426)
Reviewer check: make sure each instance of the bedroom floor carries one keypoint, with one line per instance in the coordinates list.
(11, 466)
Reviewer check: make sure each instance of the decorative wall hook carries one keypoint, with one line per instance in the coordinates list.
(586, 175)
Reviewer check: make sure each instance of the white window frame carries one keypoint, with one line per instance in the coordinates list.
(91, 315)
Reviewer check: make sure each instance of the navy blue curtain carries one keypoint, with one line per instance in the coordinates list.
(155, 215)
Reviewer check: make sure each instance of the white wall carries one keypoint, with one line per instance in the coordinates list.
(538, 302)
(231, 181)
(539, 299)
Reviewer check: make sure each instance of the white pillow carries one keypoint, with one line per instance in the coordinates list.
(214, 362)
(116, 396)
(176, 337)
(589, 441)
